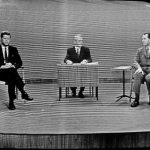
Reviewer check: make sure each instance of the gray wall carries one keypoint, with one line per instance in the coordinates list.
(43, 30)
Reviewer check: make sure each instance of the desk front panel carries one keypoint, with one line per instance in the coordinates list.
(78, 75)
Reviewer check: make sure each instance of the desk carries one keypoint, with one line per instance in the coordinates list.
(78, 75)
(123, 69)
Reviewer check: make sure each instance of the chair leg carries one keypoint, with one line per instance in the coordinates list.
(90, 90)
(131, 84)
(60, 93)
(131, 91)
(67, 91)
(149, 99)
(96, 92)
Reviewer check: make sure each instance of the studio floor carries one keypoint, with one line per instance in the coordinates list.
(47, 115)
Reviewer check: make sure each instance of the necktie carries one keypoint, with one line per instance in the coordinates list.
(6, 58)
(78, 52)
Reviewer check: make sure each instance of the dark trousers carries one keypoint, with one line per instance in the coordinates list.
(73, 89)
(138, 80)
(13, 79)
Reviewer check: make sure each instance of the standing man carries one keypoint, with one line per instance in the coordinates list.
(10, 61)
(142, 66)
(78, 54)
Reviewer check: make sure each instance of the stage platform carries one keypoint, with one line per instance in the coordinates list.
(46, 116)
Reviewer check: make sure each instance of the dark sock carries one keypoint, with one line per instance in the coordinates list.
(137, 97)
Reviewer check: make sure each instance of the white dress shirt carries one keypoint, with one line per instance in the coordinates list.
(77, 50)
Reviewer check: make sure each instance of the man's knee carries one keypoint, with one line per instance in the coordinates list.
(138, 78)
(138, 75)
(147, 78)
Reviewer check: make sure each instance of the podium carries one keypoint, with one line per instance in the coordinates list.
(78, 75)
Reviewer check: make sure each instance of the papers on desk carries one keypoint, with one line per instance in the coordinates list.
(122, 68)
(93, 63)
(77, 64)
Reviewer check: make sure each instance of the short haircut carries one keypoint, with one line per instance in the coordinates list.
(78, 36)
(148, 35)
(5, 33)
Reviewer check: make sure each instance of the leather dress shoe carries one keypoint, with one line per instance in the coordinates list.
(12, 106)
(81, 95)
(149, 101)
(134, 103)
(26, 97)
(74, 94)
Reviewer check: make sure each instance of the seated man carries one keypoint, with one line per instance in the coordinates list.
(142, 65)
(10, 61)
(78, 54)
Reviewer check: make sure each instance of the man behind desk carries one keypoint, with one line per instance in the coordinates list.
(10, 61)
(78, 54)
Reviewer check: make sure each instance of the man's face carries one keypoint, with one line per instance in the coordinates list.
(78, 41)
(5, 40)
(145, 40)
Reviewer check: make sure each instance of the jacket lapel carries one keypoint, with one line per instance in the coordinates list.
(74, 52)
(8, 52)
(81, 51)
(146, 52)
(1, 56)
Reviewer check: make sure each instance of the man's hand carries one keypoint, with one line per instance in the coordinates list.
(84, 61)
(69, 62)
(139, 70)
(7, 65)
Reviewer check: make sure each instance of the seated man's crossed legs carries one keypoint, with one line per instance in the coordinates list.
(12, 78)
(139, 78)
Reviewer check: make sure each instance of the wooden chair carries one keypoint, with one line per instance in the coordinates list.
(22, 76)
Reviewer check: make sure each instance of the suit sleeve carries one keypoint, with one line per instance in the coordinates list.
(88, 55)
(68, 57)
(137, 60)
(16, 60)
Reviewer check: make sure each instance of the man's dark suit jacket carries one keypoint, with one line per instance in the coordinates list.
(13, 57)
(72, 55)
(10, 75)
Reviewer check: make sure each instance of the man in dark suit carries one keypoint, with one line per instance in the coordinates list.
(78, 54)
(10, 61)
